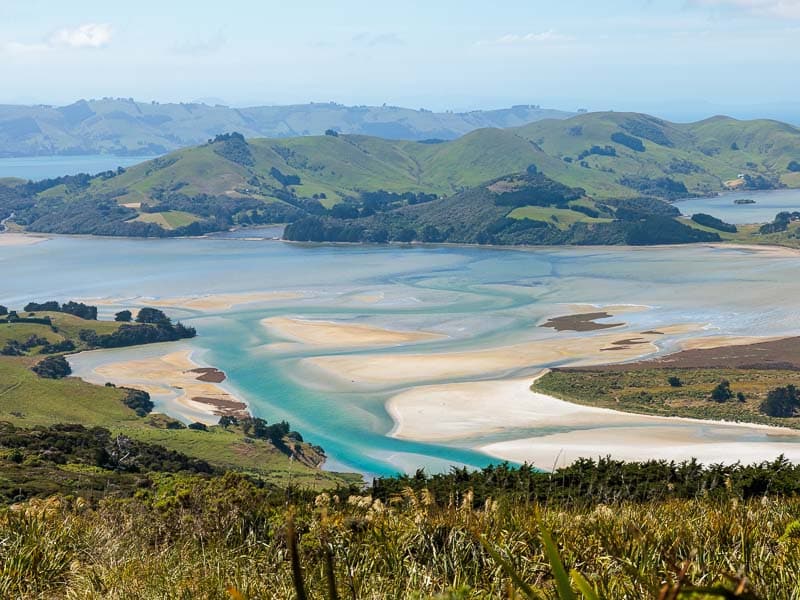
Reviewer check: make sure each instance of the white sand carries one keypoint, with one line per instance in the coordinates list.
(461, 411)
(331, 334)
(640, 444)
(396, 369)
(170, 381)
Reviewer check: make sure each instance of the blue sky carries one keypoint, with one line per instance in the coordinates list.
(680, 56)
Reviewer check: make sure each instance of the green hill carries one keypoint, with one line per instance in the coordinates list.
(231, 181)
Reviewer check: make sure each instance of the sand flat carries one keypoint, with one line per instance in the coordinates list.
(454, 411)
(201, 303)
(720, 341)
(460, 411)
(174, 380)
(20, 239)
(396, 369)
(331, 334)
(640, 443)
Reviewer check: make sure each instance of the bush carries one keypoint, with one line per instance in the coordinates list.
(123, 316)
(675, 381)
(781, 402)
(52, 367)
(628, 141)
(713, 222)
(198, 426)
(722, 392)
(139, 401)
(794, 166)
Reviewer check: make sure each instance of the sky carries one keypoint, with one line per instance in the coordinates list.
(679, 58)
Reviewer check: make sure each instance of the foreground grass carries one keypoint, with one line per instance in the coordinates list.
(214, 539)
(647, 391)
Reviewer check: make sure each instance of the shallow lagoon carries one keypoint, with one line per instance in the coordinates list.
(477, 297)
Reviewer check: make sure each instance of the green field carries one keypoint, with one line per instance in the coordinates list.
(560, 217)
(27, 400)
(648, 391)
(170, 219)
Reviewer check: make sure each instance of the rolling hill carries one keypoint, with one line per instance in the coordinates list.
(126, 127)
(230, 180)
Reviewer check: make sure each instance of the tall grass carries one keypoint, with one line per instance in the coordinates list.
(232, 546)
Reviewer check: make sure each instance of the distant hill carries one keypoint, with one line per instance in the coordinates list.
(126, 127)
(612, 158)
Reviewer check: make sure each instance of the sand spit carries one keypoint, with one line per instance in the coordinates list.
(180, 386)
(330, 334)
(398, 369)
(464, 411)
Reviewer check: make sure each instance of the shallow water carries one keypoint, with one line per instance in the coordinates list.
(768, 204)
(478, 297)
(46, 167)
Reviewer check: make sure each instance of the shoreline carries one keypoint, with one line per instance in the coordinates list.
(179, 384)
(469, 411)
(777, 248)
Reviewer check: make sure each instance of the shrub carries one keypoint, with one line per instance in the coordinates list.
(52, 367)
(722, 392)
(675, 381)
(123, 316)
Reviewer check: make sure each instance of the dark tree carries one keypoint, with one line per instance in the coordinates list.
(3, 310)
(52, 367)
(332, 132)
(722, 393)
(675, 381)
(198, 426)
(781, 402)
(794, 166)
(123, 316)
(153, 316)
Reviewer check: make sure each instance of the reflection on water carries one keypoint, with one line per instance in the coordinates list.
(478, 297)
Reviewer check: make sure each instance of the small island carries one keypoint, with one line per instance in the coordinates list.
(744, 201)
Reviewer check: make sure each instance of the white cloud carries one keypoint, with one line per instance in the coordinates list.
(88, 35)
(545, 37)
(789, 9)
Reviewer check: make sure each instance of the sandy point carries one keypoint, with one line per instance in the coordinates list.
(180, 386)
(561, 432)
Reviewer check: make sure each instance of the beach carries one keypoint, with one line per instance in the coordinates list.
(467, 412)
(20, 239)
(178, 385)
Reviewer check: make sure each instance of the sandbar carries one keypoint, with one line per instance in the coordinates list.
(468, 412)
(180, 386)
(395, 369)
(331, 334)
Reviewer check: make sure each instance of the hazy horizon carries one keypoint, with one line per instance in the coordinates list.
(680, 59)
